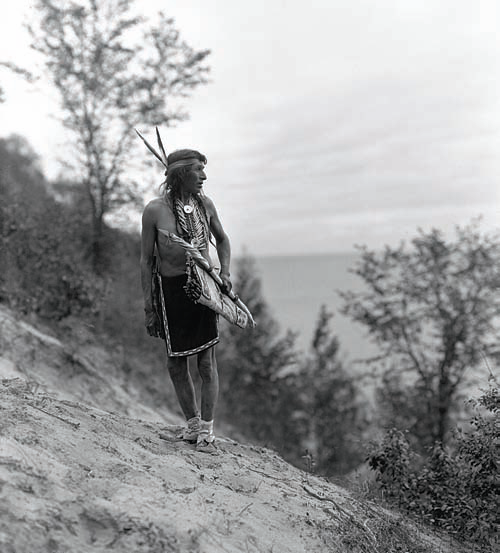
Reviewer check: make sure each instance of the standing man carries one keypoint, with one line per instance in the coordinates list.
(190, 328)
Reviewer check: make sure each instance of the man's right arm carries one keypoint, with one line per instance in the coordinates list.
(148, 237)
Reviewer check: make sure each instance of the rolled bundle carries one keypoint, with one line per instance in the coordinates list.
(229, 305)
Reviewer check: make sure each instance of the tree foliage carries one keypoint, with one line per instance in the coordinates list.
(253, 365)
(330, 409)
(456, 490)
(14, 68)
(43, 268)
(307, 408)
(433, 310)
(114, 71)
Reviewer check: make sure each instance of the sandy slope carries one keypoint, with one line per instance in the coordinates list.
(85, 468)
(76, 369)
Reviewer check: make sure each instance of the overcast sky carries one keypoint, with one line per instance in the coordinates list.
(327, 123)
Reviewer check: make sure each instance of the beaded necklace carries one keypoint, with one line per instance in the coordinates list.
(193, 222)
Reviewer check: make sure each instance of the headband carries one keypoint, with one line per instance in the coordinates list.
(181, 163)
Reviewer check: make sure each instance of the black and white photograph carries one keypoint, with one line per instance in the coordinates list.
(249, 276)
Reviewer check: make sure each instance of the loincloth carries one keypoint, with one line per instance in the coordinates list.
(189, 327)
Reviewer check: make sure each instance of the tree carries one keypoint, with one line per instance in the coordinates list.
(274, 396)
(12, 67)
(433, 310)
(331, 410)
(110, 81)
(253, 365)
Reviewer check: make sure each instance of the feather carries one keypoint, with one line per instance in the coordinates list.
(151, 149)
(162, 149)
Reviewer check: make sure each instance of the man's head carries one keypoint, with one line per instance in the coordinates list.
(186, 172)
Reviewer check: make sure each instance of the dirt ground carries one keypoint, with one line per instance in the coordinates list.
(85, 467)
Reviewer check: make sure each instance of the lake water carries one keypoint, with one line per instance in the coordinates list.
(295, 287)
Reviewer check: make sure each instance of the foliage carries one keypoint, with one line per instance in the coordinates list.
(433, 310)
(457, 491)
(114, 71)
(391, 462)
(306, 408)
(44, 271)
(330, 409)
(46, 268)
(253, 364)
(13, 68)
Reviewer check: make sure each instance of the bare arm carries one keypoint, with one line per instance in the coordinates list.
(148, 237)
(223, 245)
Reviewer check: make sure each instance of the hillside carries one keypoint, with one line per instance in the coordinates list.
(85, 467)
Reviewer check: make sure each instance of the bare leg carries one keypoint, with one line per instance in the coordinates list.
(207, 367)
(183, 384)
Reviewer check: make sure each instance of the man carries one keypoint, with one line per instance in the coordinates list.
(189, 328)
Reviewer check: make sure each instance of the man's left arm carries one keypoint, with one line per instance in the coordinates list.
(222, 245)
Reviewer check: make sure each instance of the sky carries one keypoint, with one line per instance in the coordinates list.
(326, 123)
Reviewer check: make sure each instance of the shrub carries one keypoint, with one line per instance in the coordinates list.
(44, 249)
(391, 463)
(456, 491)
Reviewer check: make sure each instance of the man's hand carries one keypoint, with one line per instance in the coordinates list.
(226, 283)
(152, 323)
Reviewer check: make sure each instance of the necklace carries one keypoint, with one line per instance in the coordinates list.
(192, 221)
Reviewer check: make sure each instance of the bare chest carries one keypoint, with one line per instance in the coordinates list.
(172, 256)
(165, 218)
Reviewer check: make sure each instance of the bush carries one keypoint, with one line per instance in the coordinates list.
(456, 491)
(43, 244)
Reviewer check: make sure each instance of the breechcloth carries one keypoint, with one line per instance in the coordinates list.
(189, 327)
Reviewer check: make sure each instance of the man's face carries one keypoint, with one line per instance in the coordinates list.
(193, 183)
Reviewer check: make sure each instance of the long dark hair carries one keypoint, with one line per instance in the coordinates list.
(170, 189)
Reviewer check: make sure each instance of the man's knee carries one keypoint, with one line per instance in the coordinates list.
(207, 366)
(177, 367)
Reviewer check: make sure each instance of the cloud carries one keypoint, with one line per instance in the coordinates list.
(336, 122)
